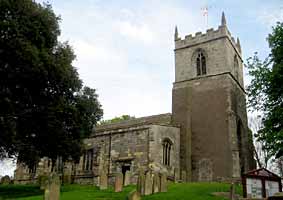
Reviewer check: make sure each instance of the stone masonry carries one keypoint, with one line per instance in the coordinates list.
(206, 137)
(210, 107)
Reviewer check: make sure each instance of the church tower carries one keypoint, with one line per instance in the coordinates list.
(208, 104)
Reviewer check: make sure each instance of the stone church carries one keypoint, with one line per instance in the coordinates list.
(205, 138)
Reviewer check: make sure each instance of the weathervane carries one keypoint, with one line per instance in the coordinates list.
(205, 14)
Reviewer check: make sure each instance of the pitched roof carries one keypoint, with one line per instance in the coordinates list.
(262, 172)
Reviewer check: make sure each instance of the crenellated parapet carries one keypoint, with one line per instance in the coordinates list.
(210, 35)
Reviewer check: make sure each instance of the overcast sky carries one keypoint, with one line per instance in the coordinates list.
(125, 48)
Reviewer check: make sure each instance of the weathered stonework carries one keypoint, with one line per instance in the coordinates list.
(205, 139)
(210, 108)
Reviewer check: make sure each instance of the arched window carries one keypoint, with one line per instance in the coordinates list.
(88, 160)
(236, 67)
(201, 63)
(167, 146)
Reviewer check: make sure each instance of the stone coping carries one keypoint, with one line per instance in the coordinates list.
(161, 119)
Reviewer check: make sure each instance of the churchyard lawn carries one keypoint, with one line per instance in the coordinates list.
(176, 191)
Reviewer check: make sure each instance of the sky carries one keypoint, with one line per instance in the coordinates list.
(124, 48)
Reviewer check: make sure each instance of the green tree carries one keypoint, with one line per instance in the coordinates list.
(116, 119)
(44, 111)
(266, 92)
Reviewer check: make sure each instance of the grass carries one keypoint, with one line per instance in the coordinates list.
(18, 191)
(176, 191)
(68, 192)
(193, 191)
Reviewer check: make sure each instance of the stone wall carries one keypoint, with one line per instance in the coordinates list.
(133, 148)
(209, 107)
(205, 121)
(239, 128)
(129, 145)
(157, 136)
(220, 50)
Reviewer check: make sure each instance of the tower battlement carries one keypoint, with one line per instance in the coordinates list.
(210, 34)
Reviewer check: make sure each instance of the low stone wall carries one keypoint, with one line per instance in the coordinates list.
(85, 180)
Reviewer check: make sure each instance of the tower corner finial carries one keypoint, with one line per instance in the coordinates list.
(238, 44)
(223, 19)
(176, 33)
(238, 41)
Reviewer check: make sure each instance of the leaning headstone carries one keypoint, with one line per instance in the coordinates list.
(232, 192)
(134, 195)
(141, 182)
(52, 188)
(127, 178)
(184, 176)
(163, 182)
(156, 183)
(103, 180)
(148, 183)
(118, 182)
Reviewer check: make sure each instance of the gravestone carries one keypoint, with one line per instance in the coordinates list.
(127, 178)
(43, 181)
(67, 179)
(134, 195)
(232, 192)
(156, 183)
(148, 183)
(141, 182)
(176, 175)
(118, 182)
(163, 182)
(103, 180)
(52, 188)
(184, 176)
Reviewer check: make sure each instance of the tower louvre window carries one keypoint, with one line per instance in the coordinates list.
(201, 64)
(167, 146)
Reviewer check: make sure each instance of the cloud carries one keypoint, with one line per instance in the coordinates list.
(7, 167)
(125, 48)
(138, 32)
(269, 16)
(126, 52)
